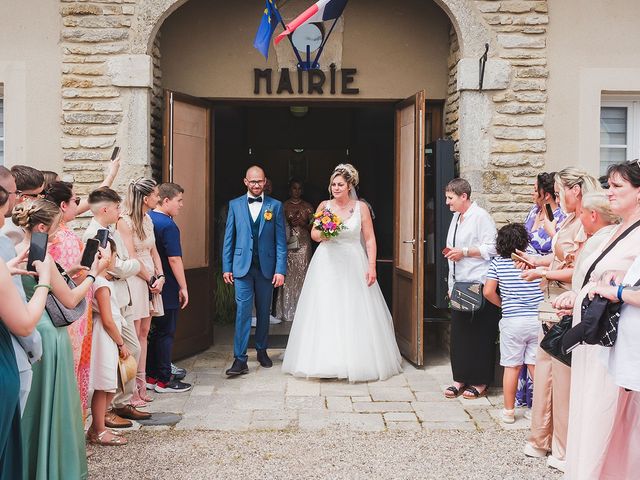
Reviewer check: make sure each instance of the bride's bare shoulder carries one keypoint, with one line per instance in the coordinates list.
(322, 205)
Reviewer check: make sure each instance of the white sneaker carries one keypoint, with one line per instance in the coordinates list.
(508, 416)
(553, 462)
(527, 413)
(272, 320)
(531, 451)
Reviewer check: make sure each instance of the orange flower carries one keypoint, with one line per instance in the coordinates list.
(268, 215)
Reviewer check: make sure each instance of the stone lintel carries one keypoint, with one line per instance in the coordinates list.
(497, 74)
(131, 70)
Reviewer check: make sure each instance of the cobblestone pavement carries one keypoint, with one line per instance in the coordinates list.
(267, 424)
(266, 399)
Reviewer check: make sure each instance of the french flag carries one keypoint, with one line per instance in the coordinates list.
(318, 12)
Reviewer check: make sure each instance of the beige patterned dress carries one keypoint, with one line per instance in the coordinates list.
(141, 305)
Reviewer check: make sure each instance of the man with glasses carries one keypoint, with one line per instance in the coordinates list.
(254, 260)
(28, 184)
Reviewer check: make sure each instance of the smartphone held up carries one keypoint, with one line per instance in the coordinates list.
(90, 251)
(37, 249)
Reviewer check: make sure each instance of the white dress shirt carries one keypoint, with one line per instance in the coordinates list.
(255, 207)
(477, 230)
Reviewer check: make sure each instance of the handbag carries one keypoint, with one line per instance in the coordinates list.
(465, 296)
(599, 317)
(552, 340)
(60, 315)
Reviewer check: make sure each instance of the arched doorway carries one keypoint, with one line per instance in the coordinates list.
(192, 64)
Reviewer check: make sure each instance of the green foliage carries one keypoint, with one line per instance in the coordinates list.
(224, 301)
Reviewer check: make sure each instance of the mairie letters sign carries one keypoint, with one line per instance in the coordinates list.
(310, 82)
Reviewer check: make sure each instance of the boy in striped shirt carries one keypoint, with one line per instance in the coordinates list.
(519, 300)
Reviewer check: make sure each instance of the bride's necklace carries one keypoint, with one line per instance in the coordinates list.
(345, 208)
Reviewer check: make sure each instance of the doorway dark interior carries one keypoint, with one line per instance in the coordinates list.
(306, 142)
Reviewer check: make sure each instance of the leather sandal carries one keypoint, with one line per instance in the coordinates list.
(453, 391)
(473, 393)
(98, 439)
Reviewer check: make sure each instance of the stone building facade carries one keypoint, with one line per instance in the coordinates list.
(111, 89)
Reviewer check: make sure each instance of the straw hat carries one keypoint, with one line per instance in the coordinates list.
(127, 369)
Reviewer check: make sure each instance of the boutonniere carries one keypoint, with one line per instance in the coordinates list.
(268, 215)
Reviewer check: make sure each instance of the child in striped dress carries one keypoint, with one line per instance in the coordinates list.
(519, 300)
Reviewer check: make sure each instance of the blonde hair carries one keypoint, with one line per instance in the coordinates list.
(598, 202)
(346, 171)
(571, 176)
(134, 203)
(34, 212)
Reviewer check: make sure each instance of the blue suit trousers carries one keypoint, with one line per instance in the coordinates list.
(253, 286)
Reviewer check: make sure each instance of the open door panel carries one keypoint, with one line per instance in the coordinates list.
(408, 261)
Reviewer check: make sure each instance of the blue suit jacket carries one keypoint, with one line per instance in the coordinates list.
(237, 250)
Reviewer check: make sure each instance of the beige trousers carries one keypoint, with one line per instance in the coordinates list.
(123, 398)
(550, 410)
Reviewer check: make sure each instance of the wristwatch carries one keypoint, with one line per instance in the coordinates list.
(465, 251)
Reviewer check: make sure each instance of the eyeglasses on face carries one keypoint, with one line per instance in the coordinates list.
(255, 183)
(30, 195)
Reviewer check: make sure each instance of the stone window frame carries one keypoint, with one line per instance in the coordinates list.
(632, 104)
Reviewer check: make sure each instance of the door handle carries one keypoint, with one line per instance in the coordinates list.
(412, 242)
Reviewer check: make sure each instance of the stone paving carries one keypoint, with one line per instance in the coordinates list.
(267, 399)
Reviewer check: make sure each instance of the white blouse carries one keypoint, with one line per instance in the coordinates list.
(477, 230)
(624, 356)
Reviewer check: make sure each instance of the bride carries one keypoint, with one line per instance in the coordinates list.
(342, 327)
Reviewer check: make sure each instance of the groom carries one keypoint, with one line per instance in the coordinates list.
(254, 259)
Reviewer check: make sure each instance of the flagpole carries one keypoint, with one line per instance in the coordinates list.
(295, 50)
(324, 41)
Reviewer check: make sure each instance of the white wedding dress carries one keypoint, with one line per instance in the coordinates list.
(342, 328)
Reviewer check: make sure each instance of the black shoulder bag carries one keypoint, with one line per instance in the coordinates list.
(599, 319)
(60, 315)
(465, 296)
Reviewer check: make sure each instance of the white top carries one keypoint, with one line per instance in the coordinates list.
(11, 230)
(255, 207)
(104, 351)
(477, 230)
(624, 356)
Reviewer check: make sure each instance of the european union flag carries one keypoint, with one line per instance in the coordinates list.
(267, 26)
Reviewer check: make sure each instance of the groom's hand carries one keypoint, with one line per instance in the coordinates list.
(228, 277)
(278, 280)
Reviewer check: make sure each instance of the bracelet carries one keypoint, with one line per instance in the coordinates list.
(43, 285)
(91, 277)
(160, 276)
(619, 295)
(465, 251)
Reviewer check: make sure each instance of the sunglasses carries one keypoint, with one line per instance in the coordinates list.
(76, 200)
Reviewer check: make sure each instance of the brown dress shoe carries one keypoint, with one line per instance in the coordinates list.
(132, 413)
(112, 420)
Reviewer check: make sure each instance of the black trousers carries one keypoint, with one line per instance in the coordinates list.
(473, 345)
(160, 346)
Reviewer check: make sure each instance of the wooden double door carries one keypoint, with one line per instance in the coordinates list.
(187, 160)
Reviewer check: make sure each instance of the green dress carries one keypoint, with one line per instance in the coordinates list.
(10, 444)
(52, 432)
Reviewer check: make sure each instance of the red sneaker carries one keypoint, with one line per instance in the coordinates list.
(151, 383)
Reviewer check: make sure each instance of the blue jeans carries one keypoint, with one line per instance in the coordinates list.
(253, 286)
(163, 330)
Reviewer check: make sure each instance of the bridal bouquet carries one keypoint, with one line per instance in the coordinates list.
(329, 224)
